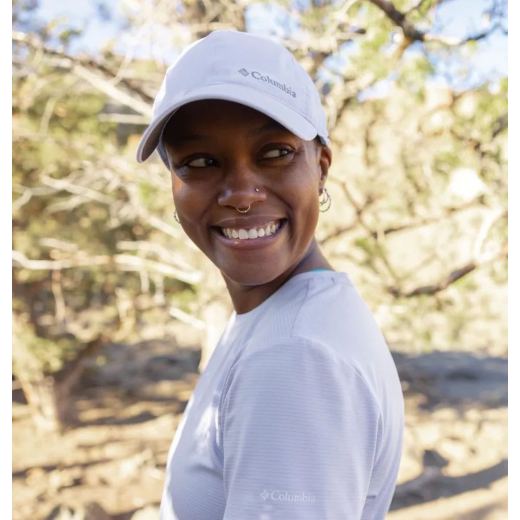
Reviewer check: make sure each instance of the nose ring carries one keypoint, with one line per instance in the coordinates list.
(248, 208)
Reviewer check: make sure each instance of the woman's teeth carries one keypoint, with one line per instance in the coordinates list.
(246, 234)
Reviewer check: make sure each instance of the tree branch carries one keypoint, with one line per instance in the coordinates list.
(83, 67)
(451, 278)
(418, 6)
(378, 237)
(399, 19)
(420, 222)
(414, 34)
(125, 262)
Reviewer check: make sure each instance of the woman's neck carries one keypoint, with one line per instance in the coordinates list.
(245, 298)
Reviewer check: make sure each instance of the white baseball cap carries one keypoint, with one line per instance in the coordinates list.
(244, 68)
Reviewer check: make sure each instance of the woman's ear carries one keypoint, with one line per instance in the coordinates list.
(324, 162)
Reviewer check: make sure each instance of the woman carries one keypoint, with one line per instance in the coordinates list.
(299, 412)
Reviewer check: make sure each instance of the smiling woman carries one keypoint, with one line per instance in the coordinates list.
(226, 156)
(299, 413)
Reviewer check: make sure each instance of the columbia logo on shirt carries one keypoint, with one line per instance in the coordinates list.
(283, 496)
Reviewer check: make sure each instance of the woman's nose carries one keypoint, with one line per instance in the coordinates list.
(241, 190)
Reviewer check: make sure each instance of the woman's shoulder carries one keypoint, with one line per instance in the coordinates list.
(333, 312)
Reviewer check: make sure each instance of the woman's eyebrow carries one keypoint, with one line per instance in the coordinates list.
(184, 138)
(269, 127)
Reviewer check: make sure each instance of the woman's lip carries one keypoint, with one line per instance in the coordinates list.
(250, 243)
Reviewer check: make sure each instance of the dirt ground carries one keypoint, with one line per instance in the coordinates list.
(111, 465)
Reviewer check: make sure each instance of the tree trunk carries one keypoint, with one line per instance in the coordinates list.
(215, 315)
(52, 408)
(49, 395)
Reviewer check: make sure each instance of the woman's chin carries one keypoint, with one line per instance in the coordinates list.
(252, 277)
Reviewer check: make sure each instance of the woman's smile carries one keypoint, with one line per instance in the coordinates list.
(250, 238)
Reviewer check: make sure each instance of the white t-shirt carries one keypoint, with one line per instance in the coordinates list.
(299, 414)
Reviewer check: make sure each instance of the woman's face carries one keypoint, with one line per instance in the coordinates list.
(219, 152)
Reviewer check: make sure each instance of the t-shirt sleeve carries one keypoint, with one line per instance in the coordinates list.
(300, 434)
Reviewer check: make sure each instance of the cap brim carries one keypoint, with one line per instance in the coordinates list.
(272, 107)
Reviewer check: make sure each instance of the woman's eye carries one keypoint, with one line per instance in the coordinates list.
(199, 163)
(276, 151)
(205, 162)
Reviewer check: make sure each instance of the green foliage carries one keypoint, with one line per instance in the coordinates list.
(34, 356)
(413, 73)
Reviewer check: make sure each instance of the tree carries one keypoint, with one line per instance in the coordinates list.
(95, 246)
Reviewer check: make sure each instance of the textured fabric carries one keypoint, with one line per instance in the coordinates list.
(299, 414)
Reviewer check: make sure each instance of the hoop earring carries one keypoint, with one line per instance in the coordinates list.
(327, 200)
(176, 217)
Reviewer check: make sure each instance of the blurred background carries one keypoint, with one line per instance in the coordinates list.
(116, 313)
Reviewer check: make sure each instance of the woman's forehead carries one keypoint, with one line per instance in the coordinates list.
(208, 111)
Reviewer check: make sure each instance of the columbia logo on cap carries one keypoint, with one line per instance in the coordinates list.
(267, 79)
